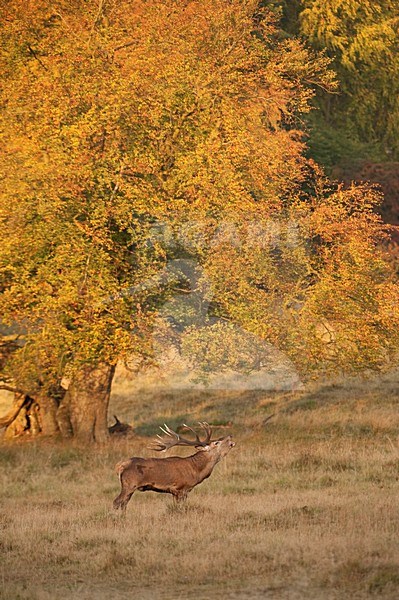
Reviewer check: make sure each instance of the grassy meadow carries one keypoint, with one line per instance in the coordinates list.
(305, 506)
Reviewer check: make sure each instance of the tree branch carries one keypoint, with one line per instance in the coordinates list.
(99, 14)
(321, 86)
(10, 388)
(13, 413)
(41, 63)
(122, 46)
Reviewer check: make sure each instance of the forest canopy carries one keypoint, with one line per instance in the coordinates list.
(360, 36)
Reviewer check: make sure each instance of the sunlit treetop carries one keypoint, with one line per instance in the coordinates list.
(362, 38)
(118, 115)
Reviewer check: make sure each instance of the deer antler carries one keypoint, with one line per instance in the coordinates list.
(171, 438)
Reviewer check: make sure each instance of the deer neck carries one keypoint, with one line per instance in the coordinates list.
(203, 463)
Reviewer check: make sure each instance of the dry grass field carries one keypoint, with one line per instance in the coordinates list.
(305, 506)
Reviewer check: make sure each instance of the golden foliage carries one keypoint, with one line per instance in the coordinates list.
(120, 115)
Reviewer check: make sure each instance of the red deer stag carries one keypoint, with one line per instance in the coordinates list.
(173, 475)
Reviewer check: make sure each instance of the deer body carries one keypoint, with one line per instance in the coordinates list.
(173, 475)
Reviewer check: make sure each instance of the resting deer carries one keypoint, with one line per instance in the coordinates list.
(173, 475)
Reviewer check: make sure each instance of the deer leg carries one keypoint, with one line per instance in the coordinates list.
(122, 500)
(124, 503)
(180, 496)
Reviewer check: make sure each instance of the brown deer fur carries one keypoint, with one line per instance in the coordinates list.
(173, 475)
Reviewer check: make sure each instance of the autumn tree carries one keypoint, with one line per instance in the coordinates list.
(122, 117)
(361, 38)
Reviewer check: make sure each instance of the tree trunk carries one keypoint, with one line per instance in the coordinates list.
(47, 415)
(22, 418)
(63, 417)
(87, 402)
(15, 420)
(82, 412)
